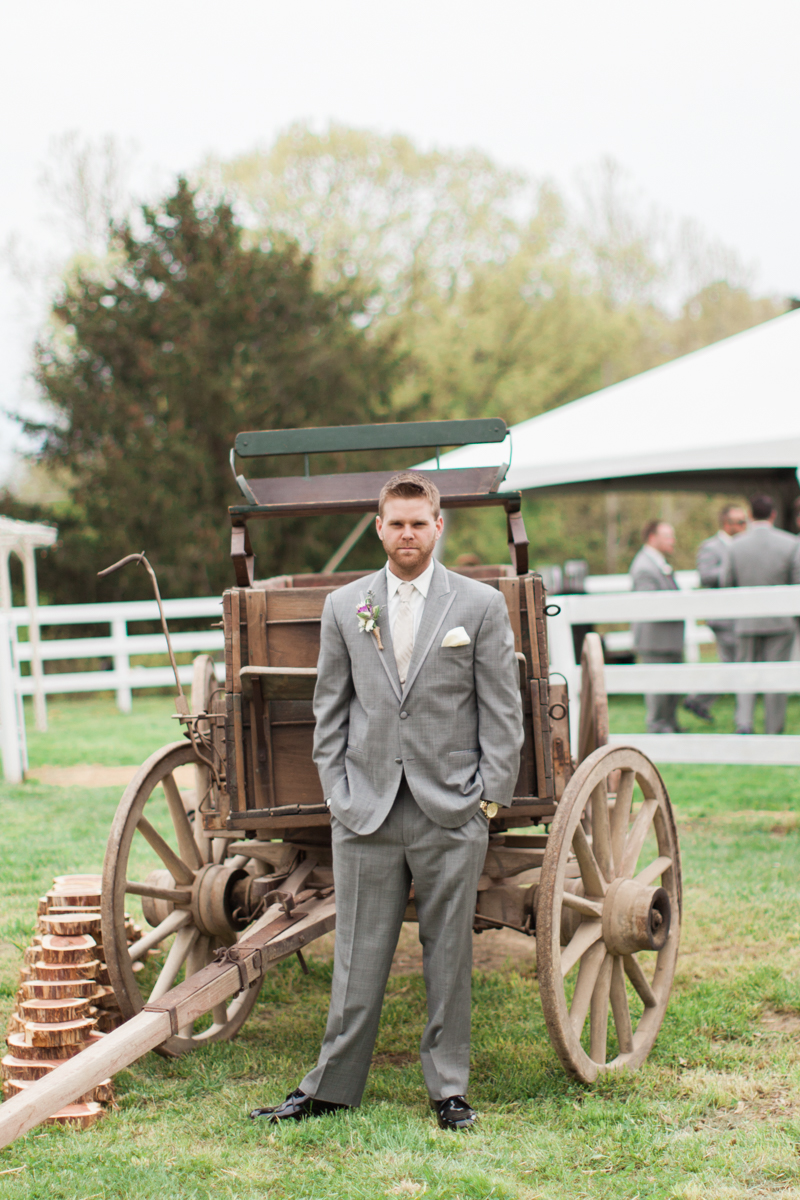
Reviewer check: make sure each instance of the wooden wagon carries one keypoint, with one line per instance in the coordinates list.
(234, 873)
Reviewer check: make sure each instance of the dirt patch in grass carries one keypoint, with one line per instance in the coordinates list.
(494, 950)
(781, 1022)
(92, 775)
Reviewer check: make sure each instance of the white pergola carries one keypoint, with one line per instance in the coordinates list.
(24, 538)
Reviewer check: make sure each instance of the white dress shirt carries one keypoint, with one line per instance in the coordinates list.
(421, 586)
(658, 559)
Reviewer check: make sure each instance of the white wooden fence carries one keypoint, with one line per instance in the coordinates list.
(118, 646)
(608, 601)
(682, 679)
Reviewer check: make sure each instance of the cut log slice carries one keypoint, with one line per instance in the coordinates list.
(82, 1115)
(74, 897)
(50, 989)
(67, 971)
(102, 1093)
(59, 1033)
(71, 1008)
(15, 1067)
(75, 949)
(71, 925)
(607, 943)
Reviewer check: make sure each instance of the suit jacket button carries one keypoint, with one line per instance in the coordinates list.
(403, 716)
(399, 761)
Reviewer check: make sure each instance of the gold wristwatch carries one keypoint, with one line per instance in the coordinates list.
(490, 809)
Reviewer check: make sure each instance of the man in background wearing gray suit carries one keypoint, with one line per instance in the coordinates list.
(763, 556)
(712, 565)
(419, 729)
(657, 641)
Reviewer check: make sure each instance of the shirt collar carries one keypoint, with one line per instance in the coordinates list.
(724, 536)
(422, 583)
(658, 558)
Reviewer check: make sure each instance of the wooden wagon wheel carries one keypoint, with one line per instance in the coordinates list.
(190, 900)
(597, 934)
(593, 724)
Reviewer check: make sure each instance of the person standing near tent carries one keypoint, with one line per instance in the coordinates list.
(657, 641)
(712, 564)
(763, 556)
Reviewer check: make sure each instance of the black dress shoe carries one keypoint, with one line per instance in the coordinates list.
(454, 1113)
(296, 1107)
(699, 710)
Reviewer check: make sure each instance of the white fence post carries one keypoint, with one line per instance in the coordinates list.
(12, 734)
(122, 664)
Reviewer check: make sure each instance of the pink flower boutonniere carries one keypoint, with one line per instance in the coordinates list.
(368, 613)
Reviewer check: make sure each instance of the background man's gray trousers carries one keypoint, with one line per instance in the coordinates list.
(660, 708)
(726, 652)
(763, 647)
(373, 875)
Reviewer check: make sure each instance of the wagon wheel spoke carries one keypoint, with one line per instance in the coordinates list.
(196, 959)
(598, 1019)
(591, 962)
(220, 849)
(219, 1013)
(636, 838)
(177, 868)
(587, 933)
(178, 953)
(657, 867)
(601, 831)
(184, 833)
(620, 818)
(176, 920)
(633, 969)
(592, 876)
(620, 1007)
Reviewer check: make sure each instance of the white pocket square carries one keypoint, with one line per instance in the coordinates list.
(456, 637)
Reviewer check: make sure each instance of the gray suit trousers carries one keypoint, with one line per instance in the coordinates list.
(726, 652)
(661, 709)
(373, 875)
(764, 647)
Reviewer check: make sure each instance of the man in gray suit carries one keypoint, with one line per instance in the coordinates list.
(763, 556)
(419, 729)
(657, 641)
(712, 565)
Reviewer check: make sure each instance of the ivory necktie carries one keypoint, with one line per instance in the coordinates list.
(403, 632)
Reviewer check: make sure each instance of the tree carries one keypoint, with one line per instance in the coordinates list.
(156, 362)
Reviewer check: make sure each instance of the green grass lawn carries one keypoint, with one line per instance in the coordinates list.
(715, 1111)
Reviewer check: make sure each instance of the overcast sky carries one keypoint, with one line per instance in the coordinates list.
(698, 100)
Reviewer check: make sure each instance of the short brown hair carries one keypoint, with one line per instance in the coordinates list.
(410, 485)
(762, 506)
(650, 528)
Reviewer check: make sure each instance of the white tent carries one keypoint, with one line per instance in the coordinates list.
(726, 417)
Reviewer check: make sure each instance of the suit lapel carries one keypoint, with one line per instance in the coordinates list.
(380, 596)
(440, 597)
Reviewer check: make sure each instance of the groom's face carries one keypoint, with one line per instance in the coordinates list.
(409, 531)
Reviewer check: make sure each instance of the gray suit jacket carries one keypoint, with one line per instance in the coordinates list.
(712, 564)
(456, 727)
(764, 556)
(654, 636)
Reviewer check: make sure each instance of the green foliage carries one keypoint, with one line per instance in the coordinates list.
(186, 337)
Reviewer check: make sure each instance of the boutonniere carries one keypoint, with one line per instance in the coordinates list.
(368, 613)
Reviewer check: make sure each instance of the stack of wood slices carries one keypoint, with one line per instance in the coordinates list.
(65, 1001)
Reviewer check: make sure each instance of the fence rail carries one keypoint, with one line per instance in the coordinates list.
(608, 601)
(623, 606)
